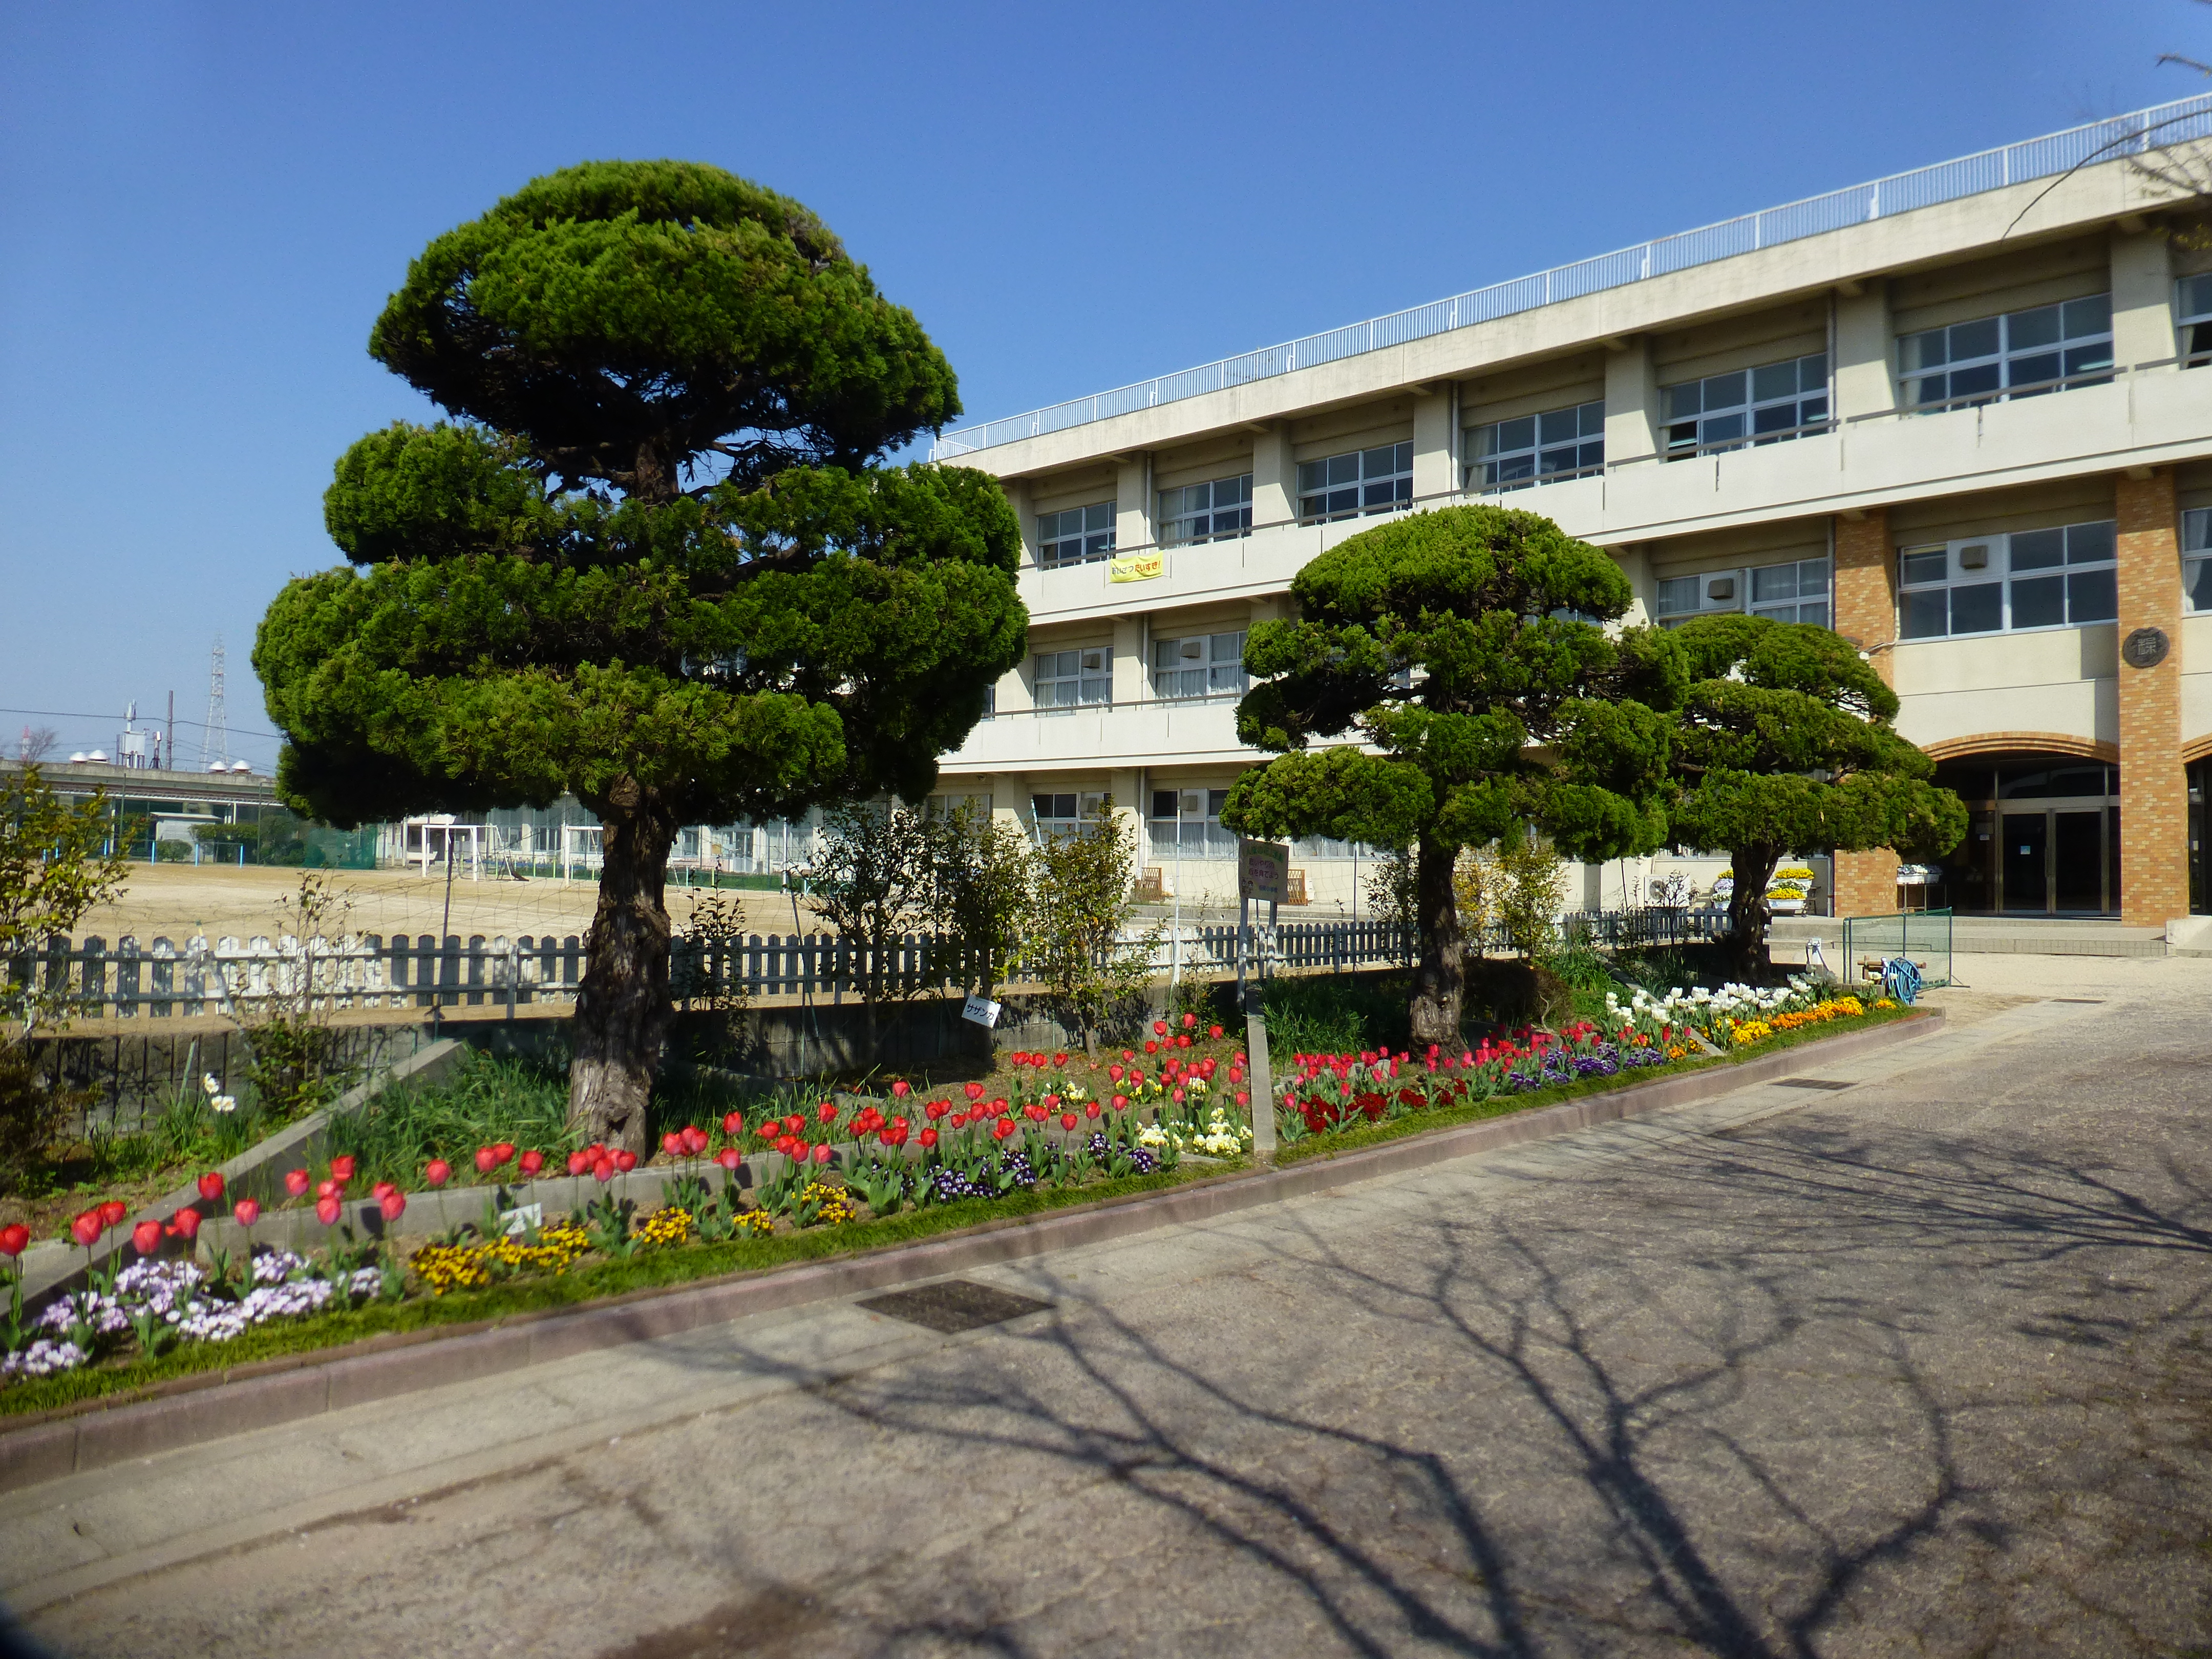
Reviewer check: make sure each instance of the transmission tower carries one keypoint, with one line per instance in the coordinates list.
(215, 737)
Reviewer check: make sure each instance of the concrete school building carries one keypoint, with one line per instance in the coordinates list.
(1963, 416)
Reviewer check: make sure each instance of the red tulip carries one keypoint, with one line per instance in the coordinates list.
(1188, 1021)
(1090, 1109)
(672, 1144)
(937, 1109)
(901, 1089)
(772, 1130)
(625, 1161)
(86, 1229)
(532, 1162)
(1243, 1096)
(15, 1239)
(604, 1170)
(112, 1213)
(211, 1186)
(327, 1189)
(1060, 1059)
(729, 1157)
(796, 1150)
(146, 1237)
(975, 1090)
(394, 1206)
(735, 1123)
(1128, 1053)
(1213, 1030)
(1002, 1128)
(929, 1137)
(1151, 1047)
(579, 1162)
(246, 1211)
(1067, 1119)
(822, 1153)
(794, 1123)
(342, 1169)
(694, 1139)
(380, 1188)
(326, 1210)
(296, 1183)
(1159, 1028)
(1182, 1043)
(485, 1162)
(1035, 1113)
(1114, 1071)
(504, 1150)
(437, 1172)
(1120, 1102)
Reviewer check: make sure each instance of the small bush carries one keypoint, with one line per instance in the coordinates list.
(1332, 1013)
(31, 1115)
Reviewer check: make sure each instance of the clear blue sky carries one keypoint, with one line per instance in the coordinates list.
(202, 208)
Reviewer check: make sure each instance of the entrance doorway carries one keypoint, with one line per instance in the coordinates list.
(2043, 836)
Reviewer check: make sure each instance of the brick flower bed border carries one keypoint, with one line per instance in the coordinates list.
(185, 1411)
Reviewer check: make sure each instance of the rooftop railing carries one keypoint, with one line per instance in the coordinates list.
(2047, 157)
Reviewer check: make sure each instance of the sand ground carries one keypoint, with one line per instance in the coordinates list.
(176, 901)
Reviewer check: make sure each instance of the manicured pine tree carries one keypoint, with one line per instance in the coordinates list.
(1461, 651)
(1784, 743)
(655, 560)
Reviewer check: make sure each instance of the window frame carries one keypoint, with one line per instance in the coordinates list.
(1361, 487)
(1214, 841)
(2192, 319)
(2197, 561)
(2002, 360)
(1211, 665)
(1238, 512)
(1802, 599)
(1576, 455)
(1683, 435)
(2000, 571)
(1092, 545)
(1055, 825)
(1081, 675)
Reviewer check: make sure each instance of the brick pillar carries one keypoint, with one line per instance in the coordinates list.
(1866, 615)
(2153, 784)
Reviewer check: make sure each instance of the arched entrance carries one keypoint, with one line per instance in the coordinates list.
(2043, 834)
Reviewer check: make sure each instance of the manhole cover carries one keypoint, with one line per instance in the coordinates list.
(957, 1304)
(1808, 1082)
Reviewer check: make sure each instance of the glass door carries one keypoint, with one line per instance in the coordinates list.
(2025, 860)
(2077, 862)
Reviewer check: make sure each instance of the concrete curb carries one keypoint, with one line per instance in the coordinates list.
(213, 1404)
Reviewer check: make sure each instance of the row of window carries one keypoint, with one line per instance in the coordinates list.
(1993, 356)
(1993, 584)
(1195, 665)
(1794, 591)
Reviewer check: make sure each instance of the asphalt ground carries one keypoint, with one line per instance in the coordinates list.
(1917, 1365)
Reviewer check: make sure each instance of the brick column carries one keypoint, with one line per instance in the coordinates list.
(1866, 615)
(2153, 784)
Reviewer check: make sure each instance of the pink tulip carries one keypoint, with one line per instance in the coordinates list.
(625, 1161)
(672, 1144)
(296, 1183)
(604, 1170)
(246, 1211)
(729, 1157)
(394, 1205)
(326, 1210)
(822, 1153)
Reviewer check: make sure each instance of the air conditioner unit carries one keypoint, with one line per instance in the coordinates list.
(1707, 592)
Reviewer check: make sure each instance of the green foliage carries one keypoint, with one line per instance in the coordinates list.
(485, 1100)
(982, 902)
(53, 870)
(1516, 883)
(1333, 1014)
(655, 560)
(873, 881)
(292, 1046)
(1460, 653)
(1080, 904)
(1783, 742)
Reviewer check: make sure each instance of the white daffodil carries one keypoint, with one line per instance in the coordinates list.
(223, 1103)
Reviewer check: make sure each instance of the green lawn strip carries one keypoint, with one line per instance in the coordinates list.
(599, 1280)
(1418, 1122)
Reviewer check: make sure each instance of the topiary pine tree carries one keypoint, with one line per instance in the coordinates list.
(1784, 743)
(655, 562)
(1462, 649)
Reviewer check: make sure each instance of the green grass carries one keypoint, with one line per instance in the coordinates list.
(588, 1283)
(1336, 1014)
(1369, 1134)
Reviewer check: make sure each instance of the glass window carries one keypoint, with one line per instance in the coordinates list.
(1200, 666)
(1796, 592)
(2060, 578)
(1364, 480)
(1188, 822)
(1206, 511)
(1072, 679)
(1533, 449)
(2193, 306)
(2021, 353)
(1760, 406)
(2196, 557)
(1082, 535)
(1057, 815)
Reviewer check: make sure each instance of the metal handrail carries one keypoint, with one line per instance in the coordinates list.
(1945, 181)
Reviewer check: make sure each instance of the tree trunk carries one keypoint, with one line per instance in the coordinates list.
(622, 1008)
(1440, 980)
(1752, 868)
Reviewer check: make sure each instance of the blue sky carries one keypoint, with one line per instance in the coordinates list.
(202, 208)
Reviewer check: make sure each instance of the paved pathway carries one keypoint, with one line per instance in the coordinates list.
(1916, 1366)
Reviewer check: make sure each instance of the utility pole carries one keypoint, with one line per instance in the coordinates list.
(215, 737)
(169, 737)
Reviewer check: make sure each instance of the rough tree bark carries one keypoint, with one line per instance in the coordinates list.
(623, 1011)
(1751, 868)
(1440, 980)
